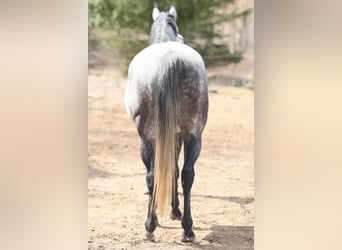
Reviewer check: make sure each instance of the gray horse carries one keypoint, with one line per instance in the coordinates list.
(167, 98)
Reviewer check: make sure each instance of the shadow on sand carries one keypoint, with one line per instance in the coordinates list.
(230, 237)
(239, 200)
(93, 172)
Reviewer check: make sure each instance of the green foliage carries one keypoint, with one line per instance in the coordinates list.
(196, 20)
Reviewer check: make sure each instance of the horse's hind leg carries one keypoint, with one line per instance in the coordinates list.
(192, 150)
(146, 151)
(176, 214)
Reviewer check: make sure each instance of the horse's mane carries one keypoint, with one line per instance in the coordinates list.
(164, 29)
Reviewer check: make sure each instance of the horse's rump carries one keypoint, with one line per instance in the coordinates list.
(149, 66)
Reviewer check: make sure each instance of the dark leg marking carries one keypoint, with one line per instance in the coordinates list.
(176, 214)
(147, 152)
(192, 150)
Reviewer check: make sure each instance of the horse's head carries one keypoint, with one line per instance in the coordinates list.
(164, 27)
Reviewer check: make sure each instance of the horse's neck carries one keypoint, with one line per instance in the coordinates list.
(161, 40)
(162, 34)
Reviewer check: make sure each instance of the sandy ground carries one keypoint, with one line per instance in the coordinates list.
(223, 191)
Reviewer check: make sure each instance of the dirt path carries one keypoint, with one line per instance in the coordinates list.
(222, 194)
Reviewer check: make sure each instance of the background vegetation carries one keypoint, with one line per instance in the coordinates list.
(125, 26)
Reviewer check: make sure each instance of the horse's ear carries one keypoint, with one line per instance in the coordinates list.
(155, 13)
(173, 11)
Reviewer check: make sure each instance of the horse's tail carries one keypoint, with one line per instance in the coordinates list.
(165, 118)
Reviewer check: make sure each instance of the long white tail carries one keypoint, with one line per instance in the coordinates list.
(165, 117)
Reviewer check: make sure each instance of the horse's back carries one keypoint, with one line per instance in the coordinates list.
(145, 63)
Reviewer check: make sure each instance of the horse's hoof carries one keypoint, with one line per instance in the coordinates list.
(188, 237)
(148, 236)
(175, 215)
